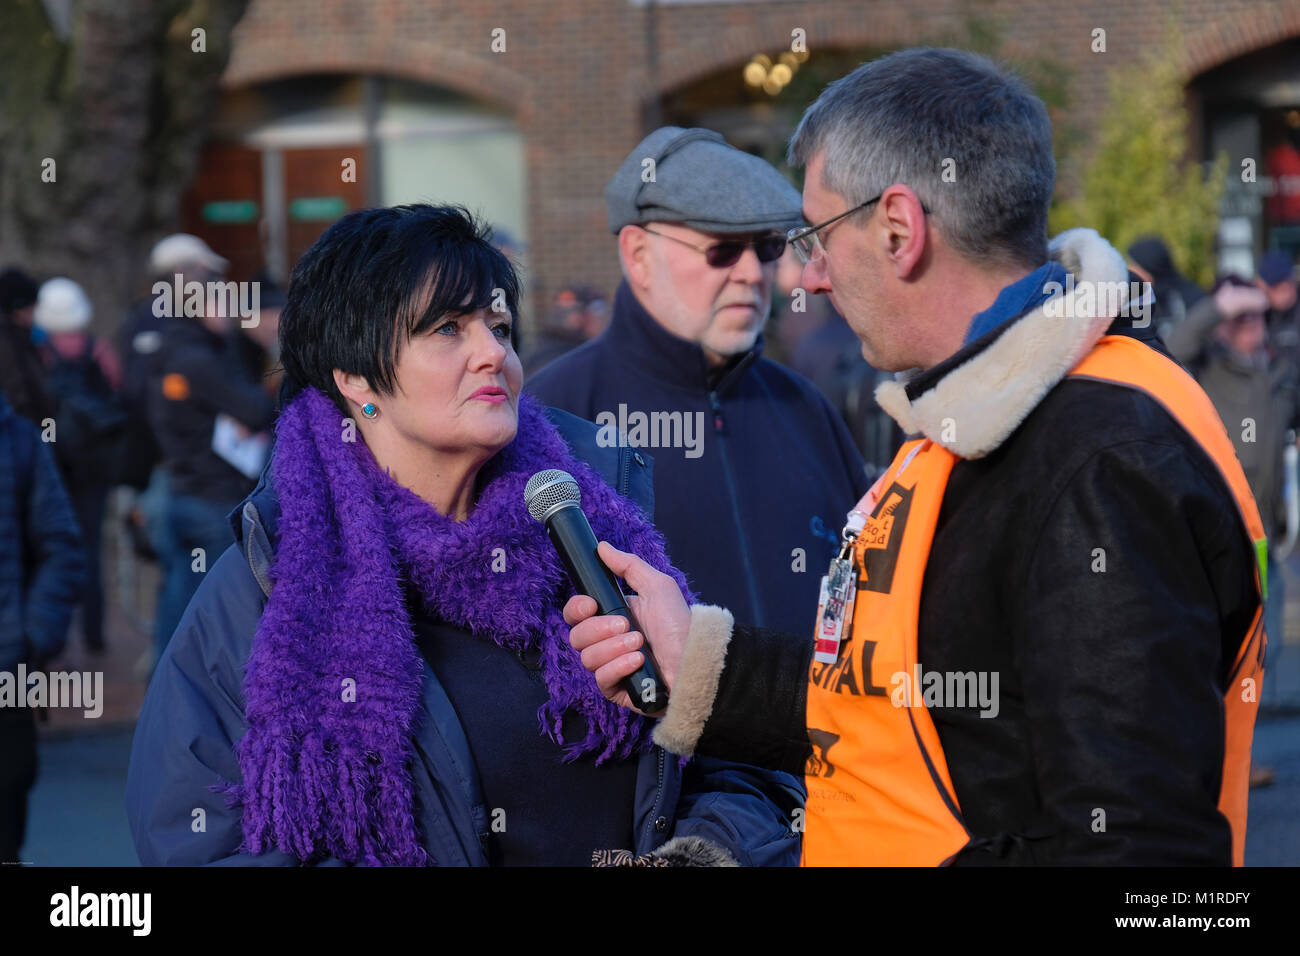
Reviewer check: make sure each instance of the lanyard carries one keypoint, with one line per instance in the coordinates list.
(839, 587)
(838, 591)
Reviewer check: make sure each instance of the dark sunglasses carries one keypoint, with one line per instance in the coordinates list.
(725, 254)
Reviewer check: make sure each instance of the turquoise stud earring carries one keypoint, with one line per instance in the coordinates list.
(368, 409)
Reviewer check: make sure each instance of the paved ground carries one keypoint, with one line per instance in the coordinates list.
(76, 813)
(1273, 833)
(77, 816)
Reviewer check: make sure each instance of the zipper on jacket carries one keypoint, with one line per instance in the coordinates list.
(719, 423)
(657, 812)
(719, 428)
(625, 471)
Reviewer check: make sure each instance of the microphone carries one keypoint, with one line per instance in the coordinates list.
(553, 498)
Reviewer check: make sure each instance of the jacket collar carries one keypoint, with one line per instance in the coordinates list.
(1015, 300)
(971, 402)
(254, 522)
(635, 337)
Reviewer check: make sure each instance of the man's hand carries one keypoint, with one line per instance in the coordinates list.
(608, 650)
(1232, 301)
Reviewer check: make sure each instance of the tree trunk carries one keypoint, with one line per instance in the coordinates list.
(118, 98)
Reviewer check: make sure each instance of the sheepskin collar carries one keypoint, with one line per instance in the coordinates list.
(972, 402)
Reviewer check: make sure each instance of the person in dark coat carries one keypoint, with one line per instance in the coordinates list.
(387, 552)
(199, 384)
(754, 468)
(82, 378)
(176, 259)
(1226, 341)
(140, 338)
(42, 571)
(1278, 280)
(21, 370)
(1175, 294)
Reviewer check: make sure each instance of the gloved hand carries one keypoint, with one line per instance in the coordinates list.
(679, 851)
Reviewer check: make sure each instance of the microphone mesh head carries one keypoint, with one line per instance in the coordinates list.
(548, 489)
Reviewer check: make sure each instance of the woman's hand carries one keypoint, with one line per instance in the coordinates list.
(608, 650)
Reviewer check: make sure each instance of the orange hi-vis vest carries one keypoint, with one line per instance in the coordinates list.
(879, 791)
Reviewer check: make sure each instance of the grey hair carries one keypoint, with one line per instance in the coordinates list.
(898, 119)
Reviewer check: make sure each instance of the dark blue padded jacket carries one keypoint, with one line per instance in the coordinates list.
(42, 568)
(194, 713)
(753, 505)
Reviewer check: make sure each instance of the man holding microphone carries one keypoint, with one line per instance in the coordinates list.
(1042, 639)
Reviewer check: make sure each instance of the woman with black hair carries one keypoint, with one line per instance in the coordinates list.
(408, 692)
(22, 373)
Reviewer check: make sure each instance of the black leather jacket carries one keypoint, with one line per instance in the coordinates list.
(1111, 682)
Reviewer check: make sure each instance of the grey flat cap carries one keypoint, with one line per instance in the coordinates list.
(699, 180)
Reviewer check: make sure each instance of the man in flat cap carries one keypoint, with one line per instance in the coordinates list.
(752, 465)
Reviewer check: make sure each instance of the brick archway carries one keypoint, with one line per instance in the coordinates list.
(258, 58)
(1235, 36)
(688, 62)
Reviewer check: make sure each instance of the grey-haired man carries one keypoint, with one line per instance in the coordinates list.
(751, 464)
(1054, 647)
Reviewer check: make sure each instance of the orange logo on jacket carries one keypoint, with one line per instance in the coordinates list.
(176, 387)
(881, 538)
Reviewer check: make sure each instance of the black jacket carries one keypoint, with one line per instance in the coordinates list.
(1111, 682)
(207, 377)
(139, 345)
(22, 374)
(753, 518)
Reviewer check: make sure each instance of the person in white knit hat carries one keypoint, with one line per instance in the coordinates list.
(62, 306)
(62, 315)
(82, 375)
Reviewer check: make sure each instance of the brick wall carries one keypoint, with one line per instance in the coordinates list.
(576, 73)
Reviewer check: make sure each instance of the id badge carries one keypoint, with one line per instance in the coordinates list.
(835, 610)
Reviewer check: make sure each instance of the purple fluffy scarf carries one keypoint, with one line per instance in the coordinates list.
(326, 774)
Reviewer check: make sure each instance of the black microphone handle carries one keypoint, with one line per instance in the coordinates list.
(575, 543)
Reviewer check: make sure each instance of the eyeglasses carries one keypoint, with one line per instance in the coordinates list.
(808, 244)
(725, 254)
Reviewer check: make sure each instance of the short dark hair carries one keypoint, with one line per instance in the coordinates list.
(17, 291)
(357, 295)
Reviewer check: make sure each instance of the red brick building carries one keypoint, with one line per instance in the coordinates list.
(524, 108)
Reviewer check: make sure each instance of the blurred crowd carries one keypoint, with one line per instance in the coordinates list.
(160, 431)
(147, 411)
(133, 420)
